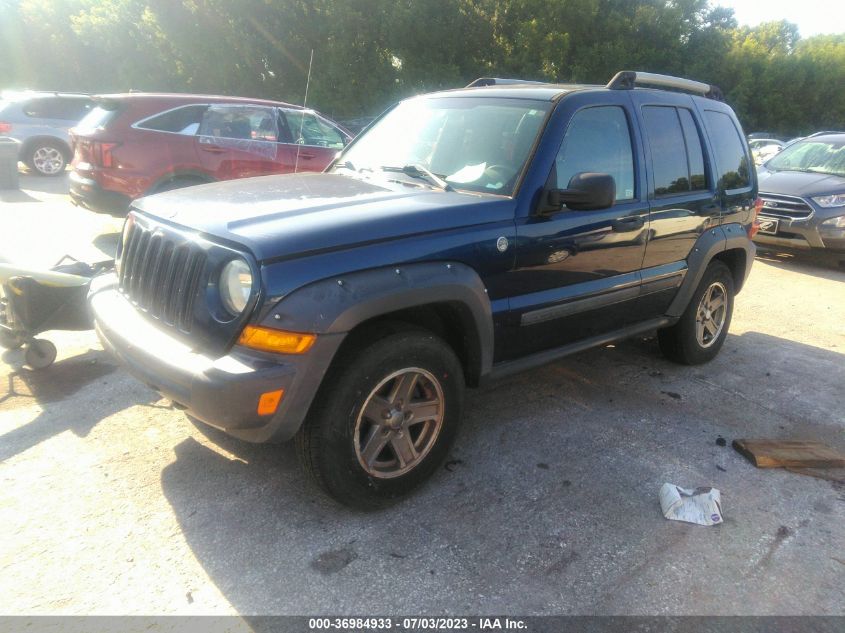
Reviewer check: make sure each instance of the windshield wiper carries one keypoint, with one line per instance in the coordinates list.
(346, 165)
(805, 170)
(351, 167)
(418, 171)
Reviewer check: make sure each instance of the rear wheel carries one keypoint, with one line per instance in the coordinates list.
(177, 183)
(384, 419)
(47, 158)
(701, 331)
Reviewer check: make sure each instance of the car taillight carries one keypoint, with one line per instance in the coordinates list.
(754, 226)
(102, 153)
(5, 128)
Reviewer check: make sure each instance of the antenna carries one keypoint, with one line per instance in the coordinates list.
(302, 118)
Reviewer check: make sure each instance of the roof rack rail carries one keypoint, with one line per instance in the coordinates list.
(629, 79)
(44, 93)
(824, 133)
(496, 81)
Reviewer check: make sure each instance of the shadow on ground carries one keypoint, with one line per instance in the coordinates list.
(107, 243)
(548, 503)
(51, 389)
(55, 185)
(15, 195)
(819, 264)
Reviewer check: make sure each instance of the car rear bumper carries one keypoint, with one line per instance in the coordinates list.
(223, 392)
(87, 192)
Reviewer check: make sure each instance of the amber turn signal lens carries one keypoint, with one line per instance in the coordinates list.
(269, 402)
(279, 341)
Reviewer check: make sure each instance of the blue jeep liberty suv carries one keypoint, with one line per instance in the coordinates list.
(465, 235)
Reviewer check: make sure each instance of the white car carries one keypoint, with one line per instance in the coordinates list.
(762, 149)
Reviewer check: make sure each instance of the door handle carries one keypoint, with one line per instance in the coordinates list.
(627, 224)
(213, 149)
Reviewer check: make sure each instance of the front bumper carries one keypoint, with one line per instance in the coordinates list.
(803, 235)
(222, 392)
(87, 193)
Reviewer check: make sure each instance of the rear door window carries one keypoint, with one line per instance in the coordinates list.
(253, 123)
(695, 153)
(184, 120)
(732, 162)
(598, 140)
(676, 154)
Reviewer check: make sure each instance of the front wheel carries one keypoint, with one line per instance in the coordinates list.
(384, 419)
(701, 331)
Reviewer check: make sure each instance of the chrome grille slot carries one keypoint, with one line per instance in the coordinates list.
(790, 207)
(159, 295)
(161, 273)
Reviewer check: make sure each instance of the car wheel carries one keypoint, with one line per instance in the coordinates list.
(40, 354)
(47, 159)
(384, 419)
(177, 183)
(701, 331)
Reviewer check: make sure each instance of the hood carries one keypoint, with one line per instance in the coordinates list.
(281, 216)
(799, 183)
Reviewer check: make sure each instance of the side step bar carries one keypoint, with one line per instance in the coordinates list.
(508, 368)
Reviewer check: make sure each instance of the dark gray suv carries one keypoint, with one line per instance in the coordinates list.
(803, 193)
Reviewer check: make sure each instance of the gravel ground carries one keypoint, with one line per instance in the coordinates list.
(112, 502)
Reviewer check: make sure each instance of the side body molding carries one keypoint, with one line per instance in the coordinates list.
(337, 305)
(709, 245)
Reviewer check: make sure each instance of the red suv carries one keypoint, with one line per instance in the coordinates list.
(135, 144)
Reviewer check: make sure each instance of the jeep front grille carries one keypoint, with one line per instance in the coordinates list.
(785, 206)
(161, 273)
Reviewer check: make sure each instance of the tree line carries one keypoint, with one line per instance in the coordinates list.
(370, 53)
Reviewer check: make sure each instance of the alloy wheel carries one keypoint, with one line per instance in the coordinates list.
(48, 160)
(399, 423)
(711, 314)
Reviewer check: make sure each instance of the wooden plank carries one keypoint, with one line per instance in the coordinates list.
(789, 454)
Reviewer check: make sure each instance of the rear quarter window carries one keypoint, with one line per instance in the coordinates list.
(184, 120)
(58, 108)
(732, 165)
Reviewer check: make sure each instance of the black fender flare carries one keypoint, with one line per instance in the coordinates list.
(338, 304)
(709, 245)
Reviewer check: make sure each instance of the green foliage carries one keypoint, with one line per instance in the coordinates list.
(370, 53)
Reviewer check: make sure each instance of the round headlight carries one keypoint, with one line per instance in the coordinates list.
(235, 285)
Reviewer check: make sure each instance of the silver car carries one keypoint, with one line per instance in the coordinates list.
(40, 122)
(803, 194)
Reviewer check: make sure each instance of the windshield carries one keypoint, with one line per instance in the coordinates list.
(823, 157)
(472, 143)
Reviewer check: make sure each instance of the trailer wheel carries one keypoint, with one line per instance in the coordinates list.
(40, 353)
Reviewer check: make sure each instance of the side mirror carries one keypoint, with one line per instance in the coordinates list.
(586, 192)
